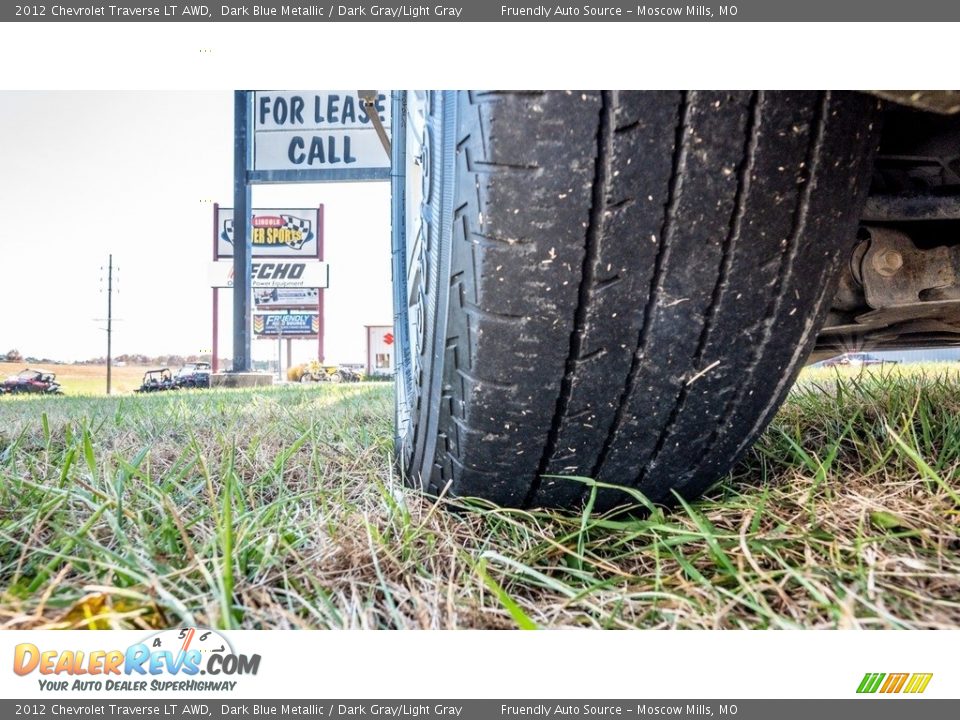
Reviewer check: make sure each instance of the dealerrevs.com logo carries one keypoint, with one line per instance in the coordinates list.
(169, 660)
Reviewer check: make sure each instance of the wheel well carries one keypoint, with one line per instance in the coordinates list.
(910, 230)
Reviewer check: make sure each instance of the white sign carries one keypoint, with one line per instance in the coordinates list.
(272, 298)
(275, 232)
(317, 130)
(275, 274)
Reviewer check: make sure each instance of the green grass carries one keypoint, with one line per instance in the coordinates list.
(281, 508)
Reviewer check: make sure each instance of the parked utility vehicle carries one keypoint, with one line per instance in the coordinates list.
(156, 381)
(33, 382)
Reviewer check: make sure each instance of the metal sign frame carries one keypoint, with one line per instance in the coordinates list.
(244, 177)
(273, 177)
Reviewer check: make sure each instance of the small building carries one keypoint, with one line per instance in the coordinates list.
(380, 349)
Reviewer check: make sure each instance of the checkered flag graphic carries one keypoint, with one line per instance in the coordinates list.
(227, 233)
(291, 222)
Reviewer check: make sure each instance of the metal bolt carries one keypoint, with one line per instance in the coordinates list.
(887, 262)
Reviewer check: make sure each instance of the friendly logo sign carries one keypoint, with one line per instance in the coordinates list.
(317, 130)
(289, 325)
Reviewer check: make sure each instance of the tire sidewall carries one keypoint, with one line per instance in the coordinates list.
(421, 270)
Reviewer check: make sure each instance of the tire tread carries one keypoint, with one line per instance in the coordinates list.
(588, 228)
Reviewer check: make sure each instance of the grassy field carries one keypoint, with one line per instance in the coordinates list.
(85, 379)
(281, 509)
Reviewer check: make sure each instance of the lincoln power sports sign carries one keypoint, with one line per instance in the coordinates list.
(275, 232)
(286, 325)
(317, 130)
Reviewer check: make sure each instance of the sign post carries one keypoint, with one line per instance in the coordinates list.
(214, 362)
(280, 351)
(242, 252)
(320, 334)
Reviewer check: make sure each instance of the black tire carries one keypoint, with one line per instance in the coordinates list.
(615, 285)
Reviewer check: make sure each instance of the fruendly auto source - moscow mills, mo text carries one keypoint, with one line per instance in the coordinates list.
(246, 10)
(545, 12)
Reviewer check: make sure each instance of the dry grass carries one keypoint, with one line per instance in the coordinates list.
(281, 509)
(85, 379)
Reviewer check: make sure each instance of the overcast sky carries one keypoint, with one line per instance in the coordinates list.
(86, 174)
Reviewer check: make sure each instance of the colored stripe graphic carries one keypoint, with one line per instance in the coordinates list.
(918, 683)
(894, 683)
(870, 682)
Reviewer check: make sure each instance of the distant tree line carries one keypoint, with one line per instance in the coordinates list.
(158, 360)
(15, 356)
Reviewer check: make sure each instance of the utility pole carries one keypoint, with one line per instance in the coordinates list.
(109, 318)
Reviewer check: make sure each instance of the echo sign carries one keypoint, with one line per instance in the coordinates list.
(317, 130)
